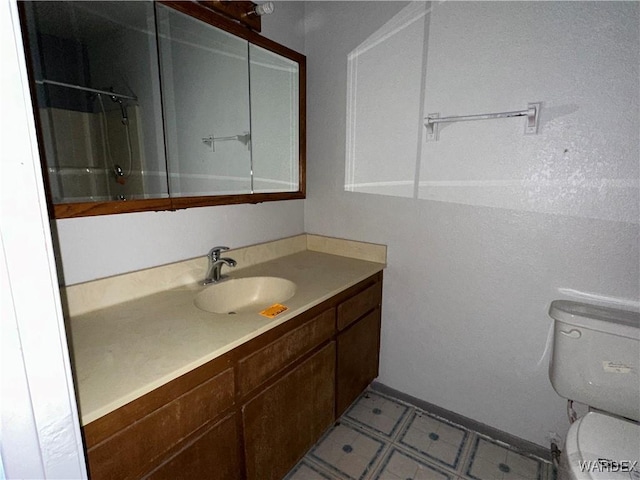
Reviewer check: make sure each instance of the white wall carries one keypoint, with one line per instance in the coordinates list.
(585, 72)
(286, 25)
(40, 431)
(96, 247)
(470, 277)
(389, 167)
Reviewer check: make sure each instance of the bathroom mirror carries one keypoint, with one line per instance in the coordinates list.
(157, 106)
(97, 93)
(205, 77)
(275, 120)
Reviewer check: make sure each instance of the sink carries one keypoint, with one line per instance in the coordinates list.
(239, 295)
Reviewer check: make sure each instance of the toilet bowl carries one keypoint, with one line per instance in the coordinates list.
(595, 360)
(601, 447)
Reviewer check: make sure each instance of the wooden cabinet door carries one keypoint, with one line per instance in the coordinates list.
(357, 365)
(214, 455)
(140, 446)
(287, 418)
(355, 307)
(257, 368)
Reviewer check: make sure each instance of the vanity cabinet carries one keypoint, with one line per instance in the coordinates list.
(286, 384)
(284, 421)
(254, 411)
(261, 365)
(358, 344)
(166, 424)
(357, 360)
(213, 454)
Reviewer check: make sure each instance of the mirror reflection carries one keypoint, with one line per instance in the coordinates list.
(205, 77)
(98, 96)
(138, 100)
(275, 110)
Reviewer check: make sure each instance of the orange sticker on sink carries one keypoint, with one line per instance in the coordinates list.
(274, 310)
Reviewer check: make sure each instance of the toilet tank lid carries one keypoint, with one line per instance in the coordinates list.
(603, 319)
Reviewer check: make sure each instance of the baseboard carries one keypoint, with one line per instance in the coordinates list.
(518, 443)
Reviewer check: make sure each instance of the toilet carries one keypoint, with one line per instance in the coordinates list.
(596, 361)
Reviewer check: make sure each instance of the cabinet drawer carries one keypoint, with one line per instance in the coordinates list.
(358, 305)
(263, 364)
(136, 449)
(214, 455)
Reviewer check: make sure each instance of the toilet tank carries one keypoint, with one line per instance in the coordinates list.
(596, 356)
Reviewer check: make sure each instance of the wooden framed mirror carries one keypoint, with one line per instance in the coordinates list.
(162, 105)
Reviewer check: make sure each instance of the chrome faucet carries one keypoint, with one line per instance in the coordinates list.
(214, 274)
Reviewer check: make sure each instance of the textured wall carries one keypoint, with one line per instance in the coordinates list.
(40, 428)
(471, 276)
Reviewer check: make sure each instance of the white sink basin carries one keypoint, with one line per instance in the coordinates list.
(239, 295)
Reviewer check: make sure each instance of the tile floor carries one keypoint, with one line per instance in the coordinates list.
(382, 438)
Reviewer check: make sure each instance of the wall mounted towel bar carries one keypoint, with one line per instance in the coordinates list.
(530, 128)
(210, 140)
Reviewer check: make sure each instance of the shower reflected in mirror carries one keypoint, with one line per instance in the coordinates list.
(96, 73)
(162, 104)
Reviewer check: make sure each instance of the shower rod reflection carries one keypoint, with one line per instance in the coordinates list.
(86, 89)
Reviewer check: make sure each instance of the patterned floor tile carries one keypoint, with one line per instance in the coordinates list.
(306, 470)
(381, 414)
(489, 460)
(399, 465)
(348, 451)
(435, 439)
(379, 438)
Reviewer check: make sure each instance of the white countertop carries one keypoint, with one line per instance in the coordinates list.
(124, 351)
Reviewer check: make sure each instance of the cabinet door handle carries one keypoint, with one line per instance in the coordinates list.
(573, 333)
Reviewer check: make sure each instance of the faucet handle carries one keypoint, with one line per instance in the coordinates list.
(214, 253)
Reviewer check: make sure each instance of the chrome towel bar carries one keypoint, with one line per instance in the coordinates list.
(531, 126)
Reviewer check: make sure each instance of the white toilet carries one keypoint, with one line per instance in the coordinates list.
(596, 361)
